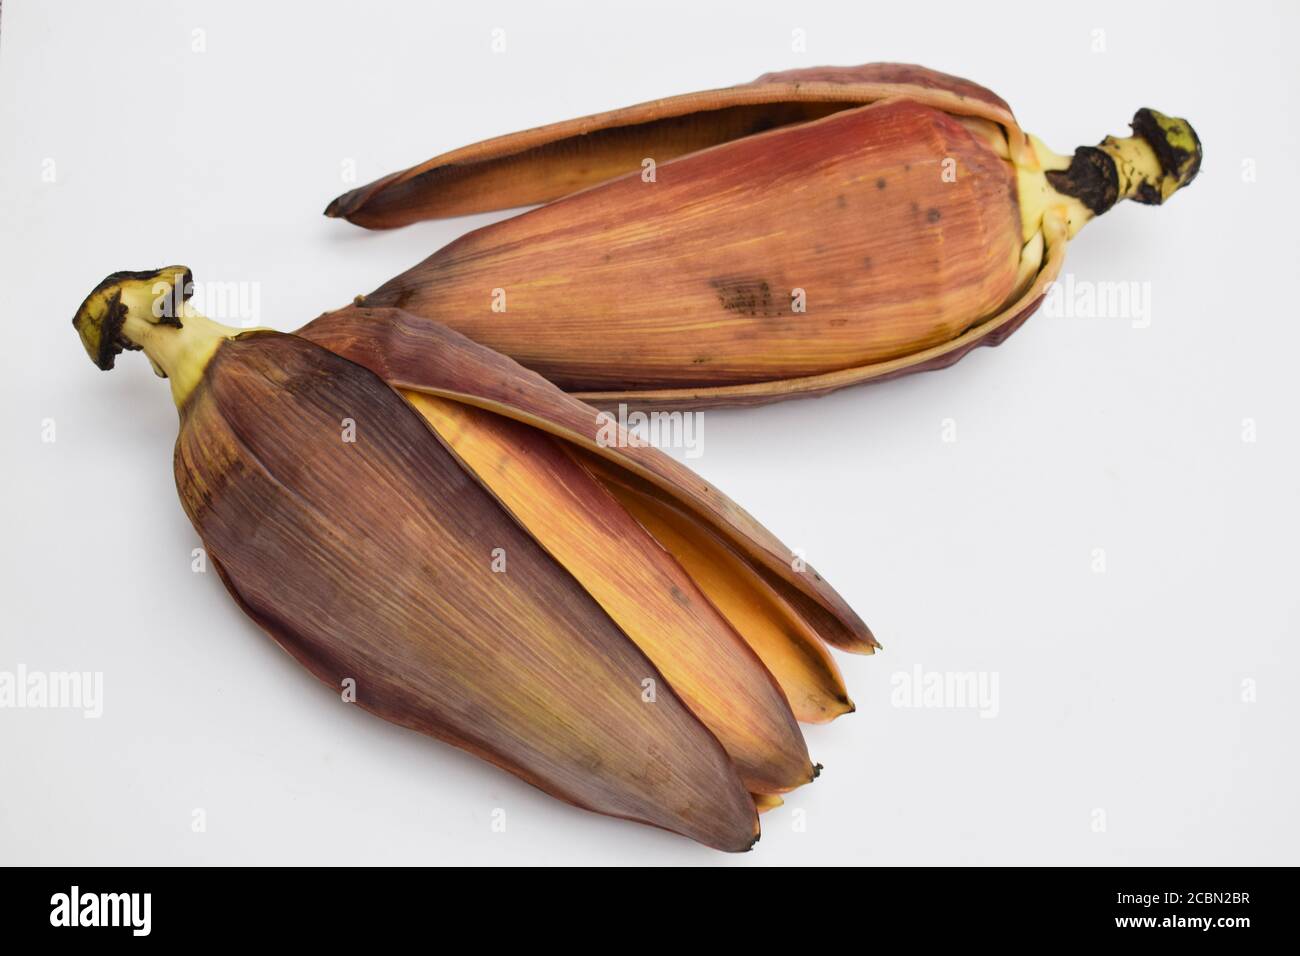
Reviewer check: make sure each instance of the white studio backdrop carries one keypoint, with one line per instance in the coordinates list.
(1100, 516)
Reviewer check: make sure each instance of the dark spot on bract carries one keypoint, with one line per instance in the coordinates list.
(866, 263)
(746, 296)
(933, 215)
(842, 201)
(880, 183)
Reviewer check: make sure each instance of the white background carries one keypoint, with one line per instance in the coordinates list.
(1120, 692)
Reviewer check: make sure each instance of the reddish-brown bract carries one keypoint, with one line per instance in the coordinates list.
(371, 560)
(639, 583)
(544, 163)
(892, 225)
(415, 353)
